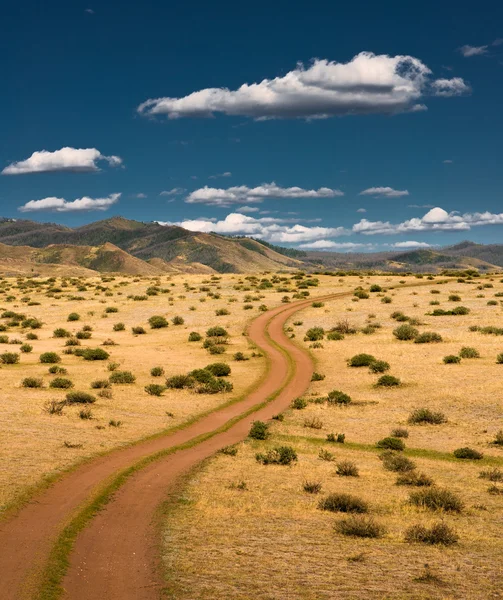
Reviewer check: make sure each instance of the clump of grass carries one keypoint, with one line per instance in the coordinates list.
(326, 455)
(55, 407)
(114, 423)
(338, 397)
(280, 455)
(299, 403)
(360, 526)
(86, 414)
(340, 502)
(498, 438)
(100, 384)
(438, 533)
(492, 475)
(428, 337)
(469, 352)
(391, 443)
(425, 415)
(468, 454)
(32, 382)
(154, 389)
(156, 371)
(413, 478)
(347, 468)
(122, 377)
(399, 432)
(436, 498)
(312, 487)
(451, 359)
(313, 423)
(338, 438)
(229, 450)
(397, 463)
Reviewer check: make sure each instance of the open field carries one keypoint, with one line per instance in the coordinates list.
(242, 529)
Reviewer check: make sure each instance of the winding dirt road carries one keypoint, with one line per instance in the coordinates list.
(115, 556)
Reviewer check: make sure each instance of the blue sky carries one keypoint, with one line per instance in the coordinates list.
(285, 159)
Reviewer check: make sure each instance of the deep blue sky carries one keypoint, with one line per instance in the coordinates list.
(75, 78)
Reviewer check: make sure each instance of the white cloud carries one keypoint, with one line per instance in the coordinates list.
(361, 210)
(468, 51)
(437, 219)
(420, 206)
(140, 196)
(53, 204)
(411, 244)
(226, 174)
(268, 228)
(243, 194)
(173, 192)
(367, 84)
(450, 87)
(66, 159)
(448, 161)
(249, 209)
(329, 245)
(385, 192)
(89, 11)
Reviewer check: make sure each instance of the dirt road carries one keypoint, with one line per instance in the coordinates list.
(114, 557)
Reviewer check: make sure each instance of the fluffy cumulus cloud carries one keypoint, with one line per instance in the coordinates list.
(271, 229)
(450, 87)
(411, 244)
(468, 51)
(384, 192)
(367, 84)
(78, 160)
(436, 219)
(243, 194)
(52, 204)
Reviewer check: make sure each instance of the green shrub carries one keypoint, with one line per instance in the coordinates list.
(388, 381)
(347, 468)
(468, 454)
(32, 382)
(425, 415)
(391, 443)
(219, 369)
(469, 352)
(177, 320)
(499, 359)
(314, 334)
(400, 432)
(50, 358)
(335, 336)
(80, 398)
(222, 312)
(73, 316)
(61, 333)
(216, 332)
(379, 366)
(498, 439)
(95, 354)
(61, 383)
(154, 389)
(111, 309)
(338, 397)
(317, 377)
(386, 300)
(54, 407)
(157, 371)
(100, 384)
(451, 359)
(375, 288)
(119, 327)
(436, 498)
(280, 455)
(216, 349)
(492, 475)
(25, 348)
(138, 330)
(312, 487)
(405, 332)
(214, 386)
(360, 526)
(438, 533)
(9, 358)
(397, 463)
(83, 335)
(414, 478)
(343, 503)
(361, 360)
(299, 403)
(239, 356)
(195, 337)
(454, 298)
(339, 438)
(122, 377)
(259, 430)
(179, 382)
(428, 337)
(158, 322)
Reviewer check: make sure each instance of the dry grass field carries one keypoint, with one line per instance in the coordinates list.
(35, 443)
(243, 530)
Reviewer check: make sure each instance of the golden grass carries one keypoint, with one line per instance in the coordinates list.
(271, 541)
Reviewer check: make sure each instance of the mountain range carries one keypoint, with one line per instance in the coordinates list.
(132, 247)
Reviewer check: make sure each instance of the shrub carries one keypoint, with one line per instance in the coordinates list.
(375, 288)
(386, 300)
(54, 407)
(439, 533)
(119, 327)
(388, 381)
(32, 382)
(492, 475)
(299, 403)
(100, 384)
(105, 393)
(314, 334)
(61, 383)
(312, 487)
(399, 432)
(50, 358)
(219, 369)
(414, 478)
(313, 423)
(498, 438)
(379, 366)
(138, 330)
(72, 342)
(317, 377)
(436, 499)
(156, 371)
(26, 348)
(73, 316)
(216, 349)
(9, 358)
(158, 322)
(338, 397)
(454, 298)
(239, 356)
(154, 389)
(259, 430)
(177, 320)
(194, 336)
(86, 414)
(61, 333)
(361, 360)
(391, 443)
(425, 415)
(222, 312)
(281, 455)
(428, 337)
(451, 359)
(397, 463)
(335, 336)
(214, 386)
(55, 370)
(80, 398)
(343, 503)
(360, 526)
(122, 377)
(179, 382)
(469, 352)
(339, 438)
(405, 332)
(216, 332)
(111, 309)
(95, 354)
(83, 335)
(499, 359)
(468, 454)
(347, 468)
(229, 450)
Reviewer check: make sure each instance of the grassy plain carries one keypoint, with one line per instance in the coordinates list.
(243, 530)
